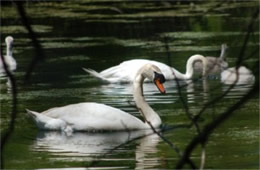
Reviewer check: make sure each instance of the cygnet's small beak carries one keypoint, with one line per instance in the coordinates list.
(159, 85)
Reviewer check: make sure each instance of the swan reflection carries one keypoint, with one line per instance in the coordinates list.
(90, 146)
(148, 88)
(124, 92)
(147, 146)
(237, 91)
(238, 76)
(194, 95)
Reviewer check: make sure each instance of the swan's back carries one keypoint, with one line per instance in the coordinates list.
(126, 71)
(245, 76)
(94, 116)
(214, 65)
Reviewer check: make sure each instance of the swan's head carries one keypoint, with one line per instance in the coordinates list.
(154, 74)
(158, 80)
(223, 64)
(9, 40)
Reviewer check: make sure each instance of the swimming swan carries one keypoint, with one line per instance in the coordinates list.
(95, 116)
(126, 71)
(9, 60)
(215, 65)
(245, 76)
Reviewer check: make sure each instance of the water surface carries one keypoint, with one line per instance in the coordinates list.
(102, 34)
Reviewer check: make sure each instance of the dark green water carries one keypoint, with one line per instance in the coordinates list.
(102, 34)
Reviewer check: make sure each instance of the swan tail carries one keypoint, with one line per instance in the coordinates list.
(44, 122)
(95, 74)
(32, 113)
(37, 117)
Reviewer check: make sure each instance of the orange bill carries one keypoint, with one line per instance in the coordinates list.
(159, 85)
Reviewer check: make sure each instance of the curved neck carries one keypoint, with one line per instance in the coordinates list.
(223, 51)
(147, 112)
(189, 69)
(8, 49)
(190, 63)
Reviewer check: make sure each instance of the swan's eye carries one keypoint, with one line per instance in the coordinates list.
(158, 81)
(159, 77)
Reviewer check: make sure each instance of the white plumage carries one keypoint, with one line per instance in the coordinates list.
(95, 116)
(215, 65)
(240, 75)
(9, 60)
(126, 71)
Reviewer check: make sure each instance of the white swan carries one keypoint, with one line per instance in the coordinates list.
(240, 75)
(126, 71)
(9, 60)
(95, 116)
(215, 64)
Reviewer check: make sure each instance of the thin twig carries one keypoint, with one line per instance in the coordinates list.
(214, 101)
(160, 135)
(7, 133)
(189, 115)
(193, 166)
(39, 54)
(240, 58)
(209, 128)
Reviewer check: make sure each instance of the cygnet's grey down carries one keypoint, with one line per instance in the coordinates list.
(215, 64)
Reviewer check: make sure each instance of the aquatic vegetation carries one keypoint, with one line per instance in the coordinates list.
(70, 58)
(14, 29)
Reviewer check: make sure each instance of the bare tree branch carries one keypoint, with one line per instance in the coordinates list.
(239, 61)
(39, 54)
(209, 128)
(193, 166)
(188, 113)
(7, 133)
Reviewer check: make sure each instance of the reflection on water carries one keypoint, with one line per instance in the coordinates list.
(147, 146)
(152, 94)
(237, 91)
(196, 91)
(95, 35)
(91, 146)
(192, 94)
(121, 95)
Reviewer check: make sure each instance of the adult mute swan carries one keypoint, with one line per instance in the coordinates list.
(126, 71)
(95, 116)
(240, 75)
(215, 64)
(8, 58)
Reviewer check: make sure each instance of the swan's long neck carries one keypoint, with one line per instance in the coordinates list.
(147, 112)
(190, 63)
(9, 49)
(223, 51)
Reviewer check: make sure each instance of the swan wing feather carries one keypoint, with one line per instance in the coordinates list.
(126, 71)
(94, 116)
